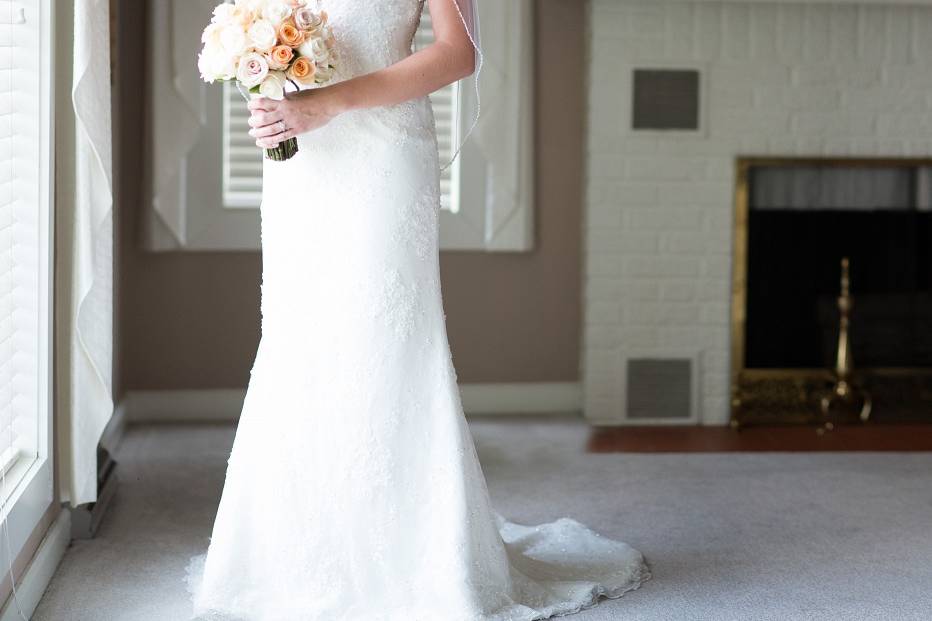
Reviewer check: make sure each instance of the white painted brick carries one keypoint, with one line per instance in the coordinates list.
(817, 40)
(682, 338)
(625, 193)
(714, 384)
(683, 243)
(791, 27)
(899, 37)
(680, 22)
(782, 80)
(844, 33)
(715, 410)
(764, 32)
(601, 337)
(644, 314)
(717, 265)
(640, 337)
(807, 98)
(600, 288)
(642, 290)
(605, 265)
(604, 218)
(607, 240)
(661, 266)
(678, 292)
(708, 25)
(678, 314)
(716, 314)
(666, 169)
(604, 313)
(665, 218)
(716, 361)
(737, 31)
(600, 408)
(702, 193)
(714, 290)
(872, 32)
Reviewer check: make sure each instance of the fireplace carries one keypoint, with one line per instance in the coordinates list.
(796, 219)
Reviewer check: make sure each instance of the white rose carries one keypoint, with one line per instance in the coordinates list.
(233, 39)
(214, 64)
(315, 49)
(262, 35)
(211, 35)
(273, 86)
(320, 50)
(254, 7)
(223, 13)
(252, 69)
(323, 75)
(205, 67)
(276, 12)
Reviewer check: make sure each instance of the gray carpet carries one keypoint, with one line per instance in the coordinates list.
(736, 536)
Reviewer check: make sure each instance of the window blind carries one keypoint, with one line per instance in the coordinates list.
(242, 167)
(20, 241)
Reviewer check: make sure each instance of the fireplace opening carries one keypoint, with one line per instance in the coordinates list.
(795, 221)
(802, 220)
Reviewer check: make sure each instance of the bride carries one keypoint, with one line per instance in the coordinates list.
(353, 491)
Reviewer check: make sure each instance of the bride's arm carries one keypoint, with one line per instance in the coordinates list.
(450, 58)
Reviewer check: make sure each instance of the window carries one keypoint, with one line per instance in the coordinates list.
(24, 239)
(25, 269)
(242, 162)
(207, 173)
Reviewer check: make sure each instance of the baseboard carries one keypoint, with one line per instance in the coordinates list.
(39, 573)
(522, 398)
(220, 405)
(224, 405)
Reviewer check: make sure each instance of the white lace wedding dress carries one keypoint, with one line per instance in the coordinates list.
(353, 491)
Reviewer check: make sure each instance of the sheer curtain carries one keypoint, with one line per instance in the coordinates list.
(89, 258)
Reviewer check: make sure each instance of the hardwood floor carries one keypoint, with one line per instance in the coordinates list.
(696, 439)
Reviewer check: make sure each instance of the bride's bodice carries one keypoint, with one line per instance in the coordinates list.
(371, 34)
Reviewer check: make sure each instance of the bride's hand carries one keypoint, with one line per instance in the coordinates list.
(274, 122)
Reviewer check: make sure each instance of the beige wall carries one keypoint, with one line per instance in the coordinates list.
(190, 320)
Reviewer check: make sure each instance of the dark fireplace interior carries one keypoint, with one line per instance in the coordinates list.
(802, 221)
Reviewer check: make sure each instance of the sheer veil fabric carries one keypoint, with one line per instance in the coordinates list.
(353, 490)
(469, 13)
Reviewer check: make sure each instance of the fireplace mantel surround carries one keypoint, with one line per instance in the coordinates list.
(778, 80)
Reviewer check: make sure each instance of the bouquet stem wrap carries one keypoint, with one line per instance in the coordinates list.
(284, 151)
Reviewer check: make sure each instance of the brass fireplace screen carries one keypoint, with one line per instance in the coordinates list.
(793, 362)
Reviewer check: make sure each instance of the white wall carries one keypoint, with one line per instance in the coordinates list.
(780, 79)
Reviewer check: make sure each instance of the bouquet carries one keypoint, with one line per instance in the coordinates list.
(263, 45)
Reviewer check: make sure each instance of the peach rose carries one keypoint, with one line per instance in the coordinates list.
(302, 70)
(280, 56)
(290, 35)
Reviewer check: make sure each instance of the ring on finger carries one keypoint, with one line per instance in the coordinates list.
(281, 127)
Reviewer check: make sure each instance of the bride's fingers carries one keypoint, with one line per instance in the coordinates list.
(273, 141)
(262, 103)
(261, 119)
(269, 143)
(266, 130)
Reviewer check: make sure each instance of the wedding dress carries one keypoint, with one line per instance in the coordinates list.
(353, 491)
